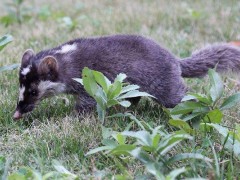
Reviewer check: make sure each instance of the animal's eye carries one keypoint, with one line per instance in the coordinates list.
(33, 93)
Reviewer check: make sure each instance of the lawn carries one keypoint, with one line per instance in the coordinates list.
(54, 132)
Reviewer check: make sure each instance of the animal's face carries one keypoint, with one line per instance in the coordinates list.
(37, 80)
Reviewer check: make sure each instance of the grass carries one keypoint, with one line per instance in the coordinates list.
(53, 131)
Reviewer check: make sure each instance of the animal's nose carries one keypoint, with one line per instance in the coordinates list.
(17, 115)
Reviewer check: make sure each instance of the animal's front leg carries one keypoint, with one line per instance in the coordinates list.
(85, 103)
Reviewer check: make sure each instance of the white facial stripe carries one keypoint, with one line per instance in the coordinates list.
(21, 93)
(67, 48)
(48, 88)
(26, 70)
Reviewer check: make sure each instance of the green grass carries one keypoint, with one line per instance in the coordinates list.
(53, 131)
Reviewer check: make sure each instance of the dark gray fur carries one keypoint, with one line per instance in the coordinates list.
(146, 64)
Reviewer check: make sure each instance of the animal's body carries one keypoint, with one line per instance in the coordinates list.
(146, 63)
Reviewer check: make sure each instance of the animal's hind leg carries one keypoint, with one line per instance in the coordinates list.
(172, 94)
(176, 96)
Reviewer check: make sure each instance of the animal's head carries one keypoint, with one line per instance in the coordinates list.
(37, 80)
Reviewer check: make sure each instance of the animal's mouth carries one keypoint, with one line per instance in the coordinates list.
(17, 115)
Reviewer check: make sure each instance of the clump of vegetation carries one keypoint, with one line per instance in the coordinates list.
(206, 107)
(152, 145)
(108, 94)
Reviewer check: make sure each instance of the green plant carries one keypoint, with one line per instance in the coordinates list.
(206, 112)
(16, 13)
(6, 39)
(205, 107)
(29, 173)
(150, 146)
(108, 94)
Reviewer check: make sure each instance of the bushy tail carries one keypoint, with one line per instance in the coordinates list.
(224, 57)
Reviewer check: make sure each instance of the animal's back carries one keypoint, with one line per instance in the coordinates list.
(146, 64)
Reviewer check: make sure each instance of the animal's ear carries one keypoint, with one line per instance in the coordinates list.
(26, 58)
(48, 68)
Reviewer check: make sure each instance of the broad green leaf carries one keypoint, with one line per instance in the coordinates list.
(125, 103)
(101, 113)
(170, 141)
(200, 97)
(114, 90)
(89, 83)
(101, 98)
(231, 101)
(109, 142)
(9, 67)
(120, 77)
(214, 116)
(186, 107)
(155, 140)
(134, 93)
(99, 149)
(202, 110)
(184, 156)
(5, 40)
(102, 80)
(120, 138)
(151, 168)
(61, 169)
(123, 149)
(112, 102)
(129, 88)
(106, 132)
(181, 124)
(174, 173)
(142, 136)
(188, 97)
(157, 130)
(141, 155)
(187, 117)
(233, 146)
(216, 89)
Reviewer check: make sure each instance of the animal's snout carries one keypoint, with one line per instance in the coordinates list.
(17, 115)
(22, 109)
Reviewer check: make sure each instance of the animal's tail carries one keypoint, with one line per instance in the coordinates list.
(224, 57)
